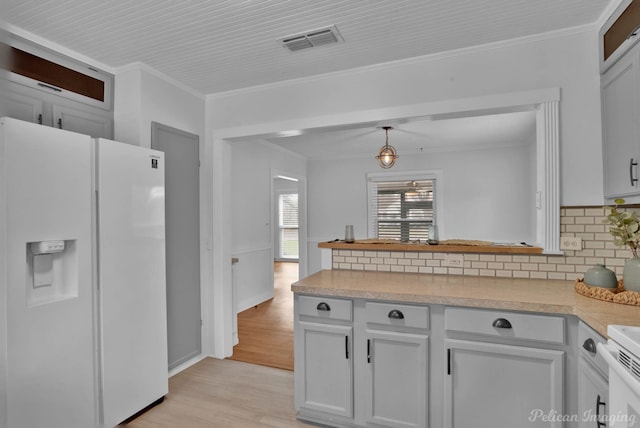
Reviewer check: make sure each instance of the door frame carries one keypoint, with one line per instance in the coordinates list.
(202, 226)
(302, 218)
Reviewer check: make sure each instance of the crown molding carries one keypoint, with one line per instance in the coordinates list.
(141, 66)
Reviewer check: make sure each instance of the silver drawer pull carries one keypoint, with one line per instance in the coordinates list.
(322, 306)
(396, 315)
(501, 323)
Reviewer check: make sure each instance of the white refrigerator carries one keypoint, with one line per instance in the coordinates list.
(83, 337)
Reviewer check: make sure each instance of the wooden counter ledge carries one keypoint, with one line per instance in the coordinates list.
(374, 245)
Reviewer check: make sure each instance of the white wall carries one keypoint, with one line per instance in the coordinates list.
(251, 167)
(568, 61)
(143, 96)
(480, 201)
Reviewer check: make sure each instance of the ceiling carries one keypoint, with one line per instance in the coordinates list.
(414, 137)
(214, 46)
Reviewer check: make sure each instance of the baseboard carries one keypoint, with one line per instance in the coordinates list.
(177, 369)
(255, 300)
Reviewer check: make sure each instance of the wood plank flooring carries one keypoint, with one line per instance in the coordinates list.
(265, 332)
(241, 391)
(227, 394)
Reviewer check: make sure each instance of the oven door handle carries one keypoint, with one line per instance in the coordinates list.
(608, 352)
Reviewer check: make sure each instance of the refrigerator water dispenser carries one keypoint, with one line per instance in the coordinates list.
(51, 273)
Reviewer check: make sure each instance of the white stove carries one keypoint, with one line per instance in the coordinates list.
(622, 354)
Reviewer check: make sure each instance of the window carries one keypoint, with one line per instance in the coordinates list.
(401, 207)
(288, 225)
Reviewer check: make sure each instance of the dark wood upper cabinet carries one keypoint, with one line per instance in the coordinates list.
(55, 75)
(51, 72)
(622, 29)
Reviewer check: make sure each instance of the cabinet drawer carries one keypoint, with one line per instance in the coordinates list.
(513, 325)
(325, 307)
(588, 339)
(397, 315)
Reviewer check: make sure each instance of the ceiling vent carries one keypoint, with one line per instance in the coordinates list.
(323, 36)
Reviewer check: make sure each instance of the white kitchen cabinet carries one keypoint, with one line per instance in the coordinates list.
(593, 396)
(593, 391)
(323, 357)
(31, 105)
(396, 385)
(496, 385)
(82, 121)
(24, 107)
(327, 368)
(620, 87)
(500, 370)
(365, 363)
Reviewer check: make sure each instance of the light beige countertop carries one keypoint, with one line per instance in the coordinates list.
(530, 295)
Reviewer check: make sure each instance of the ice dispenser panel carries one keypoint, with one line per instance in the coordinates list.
(52, 271)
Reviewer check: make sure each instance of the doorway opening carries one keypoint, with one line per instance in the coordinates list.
(265, 331)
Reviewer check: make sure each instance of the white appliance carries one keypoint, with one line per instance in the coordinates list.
(622, 354)
(83, 339)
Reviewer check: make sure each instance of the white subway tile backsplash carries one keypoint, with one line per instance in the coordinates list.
(584, 223)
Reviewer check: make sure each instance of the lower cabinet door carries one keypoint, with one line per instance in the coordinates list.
(593, 397)
(490, 385)
(324, 374)
(397, 379)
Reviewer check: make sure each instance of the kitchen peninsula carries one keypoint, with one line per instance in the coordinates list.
(409, 349)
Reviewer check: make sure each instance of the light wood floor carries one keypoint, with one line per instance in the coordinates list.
(265, 332)
(246, 393)
(224, 393)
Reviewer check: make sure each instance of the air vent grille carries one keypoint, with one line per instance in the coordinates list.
(630, 363)
(323, 36)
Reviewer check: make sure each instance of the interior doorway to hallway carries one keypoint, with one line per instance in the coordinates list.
(265, 331)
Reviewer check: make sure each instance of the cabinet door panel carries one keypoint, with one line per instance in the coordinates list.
(493, 385)
(326, 368)
(620, 113)
(593, 396)
(82, 122)
(397, 377)
(24, 108)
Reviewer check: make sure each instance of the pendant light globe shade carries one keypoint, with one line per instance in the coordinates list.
(387, 155)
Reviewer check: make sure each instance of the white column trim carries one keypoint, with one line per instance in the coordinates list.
(548, 188)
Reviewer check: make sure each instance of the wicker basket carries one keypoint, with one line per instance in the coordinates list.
(619, 295)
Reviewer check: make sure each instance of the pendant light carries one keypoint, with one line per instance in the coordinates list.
(387, 155)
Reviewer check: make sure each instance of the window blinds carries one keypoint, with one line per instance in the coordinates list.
(288, 225)
(402, 209)
(289, 210)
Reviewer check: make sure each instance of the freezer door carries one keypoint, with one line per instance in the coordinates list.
(48, 350)
(132, 289)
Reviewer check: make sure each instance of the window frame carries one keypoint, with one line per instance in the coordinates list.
(372, 192)
(281, 227)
